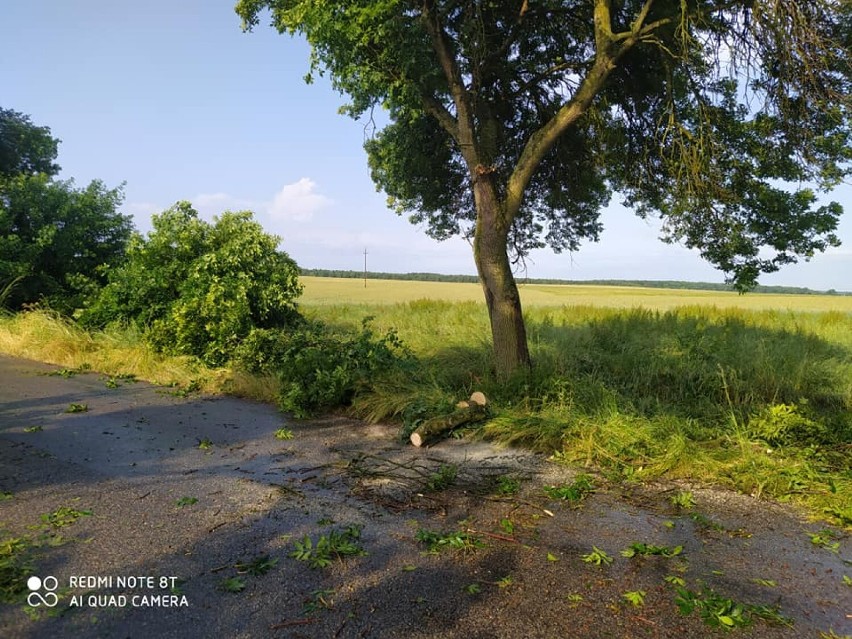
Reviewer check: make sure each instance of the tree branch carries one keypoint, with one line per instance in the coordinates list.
(464, 129)
(438, 111)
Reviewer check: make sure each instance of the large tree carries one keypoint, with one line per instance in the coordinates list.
(513, 122)
(55, 239)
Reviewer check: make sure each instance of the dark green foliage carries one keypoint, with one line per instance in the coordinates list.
(640, 549)
(198, 288)
(318, 367)
(25, 149)
(55, 239)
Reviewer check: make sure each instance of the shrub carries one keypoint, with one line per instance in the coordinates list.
(198, 288)
(319, 368)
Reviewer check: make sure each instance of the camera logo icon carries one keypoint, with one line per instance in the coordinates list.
(36, 585)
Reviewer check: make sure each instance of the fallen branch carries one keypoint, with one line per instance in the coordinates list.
(295, 622)
(493, 536)
(472, 411)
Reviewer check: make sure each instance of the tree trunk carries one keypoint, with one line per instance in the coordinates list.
(490, 253)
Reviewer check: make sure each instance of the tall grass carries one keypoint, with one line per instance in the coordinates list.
(46, 337)
(758, 401)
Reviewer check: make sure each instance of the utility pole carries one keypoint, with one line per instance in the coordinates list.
(365, 267)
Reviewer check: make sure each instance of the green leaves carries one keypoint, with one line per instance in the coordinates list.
(337, 544)
(55, 239)
(457, 540)
(199, 288)
(643, 550)
(597, 557)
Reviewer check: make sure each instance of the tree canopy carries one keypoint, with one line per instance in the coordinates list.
(25, 149)
(55, 239)
(514, 122)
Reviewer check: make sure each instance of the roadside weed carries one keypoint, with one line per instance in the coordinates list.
(507, 526)
(683, 499)
(574, 492)
(825, 538)
(15, 565)
(186, 501)
(64, 516)
(505, 582)
(574, 599)
(33, 429)
(319, 600)
(766, 583)
(205, 444)
(674, 580)
(284, 434)
(722, 612)
(508, 485)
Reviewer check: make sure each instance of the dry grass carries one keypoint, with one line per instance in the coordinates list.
(45, 337)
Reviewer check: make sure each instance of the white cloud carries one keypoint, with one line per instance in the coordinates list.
(298, 201)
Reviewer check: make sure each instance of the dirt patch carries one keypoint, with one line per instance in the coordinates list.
(202, 490)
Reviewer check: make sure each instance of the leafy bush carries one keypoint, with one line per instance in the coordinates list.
(317, 367)
(783, 424)
(198, 288)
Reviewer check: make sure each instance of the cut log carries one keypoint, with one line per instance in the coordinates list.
(463, 404)
(478, 398)
(434, 428)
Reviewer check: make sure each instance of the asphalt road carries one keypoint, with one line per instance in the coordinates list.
(142, 510)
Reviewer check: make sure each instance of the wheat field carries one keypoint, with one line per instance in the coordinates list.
(321, 291)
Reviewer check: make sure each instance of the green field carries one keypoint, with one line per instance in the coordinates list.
(326, 290)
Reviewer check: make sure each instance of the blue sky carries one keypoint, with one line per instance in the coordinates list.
(172, 98)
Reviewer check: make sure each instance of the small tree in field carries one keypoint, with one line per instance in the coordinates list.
(198, 288)
(514, 121)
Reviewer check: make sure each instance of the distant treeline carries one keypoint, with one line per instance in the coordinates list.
(438, 277)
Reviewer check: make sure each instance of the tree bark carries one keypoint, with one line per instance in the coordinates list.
(509, 334)
(436, 427)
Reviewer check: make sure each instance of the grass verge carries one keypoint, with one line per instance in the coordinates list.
(756, 401)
